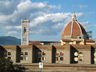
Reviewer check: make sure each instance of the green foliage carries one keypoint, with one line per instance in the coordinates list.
(6, 65)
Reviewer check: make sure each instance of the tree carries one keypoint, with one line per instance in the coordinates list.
(6, 65)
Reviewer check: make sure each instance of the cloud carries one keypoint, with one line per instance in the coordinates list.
(42, 18)
(13, 27)
(12, 33)
(83, 6)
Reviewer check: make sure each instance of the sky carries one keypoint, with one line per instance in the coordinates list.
(47, 17)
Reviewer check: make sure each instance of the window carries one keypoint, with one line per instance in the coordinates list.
(26, 53)
(79, 37)
(43, 58)
(80, 59)
(56, 58)
(43, 53)
(80, 54)
(21, 53)
(77, 42)
(61, 58)
(9, 57)
(24, 30)
(21, 58)
(9, 53)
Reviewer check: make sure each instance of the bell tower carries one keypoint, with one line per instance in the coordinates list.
(25, 32)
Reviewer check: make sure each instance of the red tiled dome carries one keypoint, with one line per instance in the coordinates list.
(73, 29)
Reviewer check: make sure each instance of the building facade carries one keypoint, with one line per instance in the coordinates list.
(50, 54)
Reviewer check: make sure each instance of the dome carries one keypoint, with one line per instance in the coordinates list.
(73, 30)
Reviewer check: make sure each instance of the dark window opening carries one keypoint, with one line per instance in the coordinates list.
(77, 42)
(21, 53)
(9, 53)
(24, 30)
(21, 58)
(57, 59)
(61, 58)
(26, 53)
(43, 58)
(80, 59)
(9, 57)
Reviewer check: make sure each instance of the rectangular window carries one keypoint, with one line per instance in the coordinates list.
(43, 58)
(80, 59)
(57, 59)
(9, 57)
(21, 58)
(21, 53)
(9, 53)
(24, 30)
(26, 53)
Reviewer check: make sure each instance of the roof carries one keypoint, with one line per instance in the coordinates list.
(12, 47)
(90, 41)
(83, 47)
(39, 42)
(25, 46)
(45, 47)
(67, 40)
(73, 28)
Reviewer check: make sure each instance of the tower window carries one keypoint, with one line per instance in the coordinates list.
(24, 30)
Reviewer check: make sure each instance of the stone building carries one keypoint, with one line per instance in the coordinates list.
(75, 33)
(50, 54)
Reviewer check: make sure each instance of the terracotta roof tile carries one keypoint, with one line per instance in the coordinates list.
(90, 41)
(73, 28)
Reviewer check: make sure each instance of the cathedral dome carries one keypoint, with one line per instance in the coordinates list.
(73, 30)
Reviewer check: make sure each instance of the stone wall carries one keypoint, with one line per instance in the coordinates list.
(49, 54)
